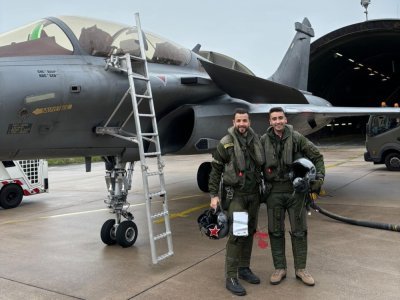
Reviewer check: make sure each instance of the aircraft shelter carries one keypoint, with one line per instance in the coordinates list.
(357, 65)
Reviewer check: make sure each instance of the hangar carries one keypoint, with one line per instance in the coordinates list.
(357, 65)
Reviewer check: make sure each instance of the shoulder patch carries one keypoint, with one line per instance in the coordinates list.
(226, 139)
(227, 145)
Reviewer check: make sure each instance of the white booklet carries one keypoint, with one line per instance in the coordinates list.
(240, 221)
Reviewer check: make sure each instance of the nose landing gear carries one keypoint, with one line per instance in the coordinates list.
(118, 181)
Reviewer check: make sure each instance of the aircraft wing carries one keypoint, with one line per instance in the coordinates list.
(251, 88)
(337, 111)
(257, 90)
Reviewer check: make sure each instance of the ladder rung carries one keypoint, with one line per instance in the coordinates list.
(140, 77)
(162, 235)
(153, 173)
(146, 115)
(149, 134)
(160, 214)
(160, 193)
(164, 256)
(134, 57)
(143, 96)
(152, 153)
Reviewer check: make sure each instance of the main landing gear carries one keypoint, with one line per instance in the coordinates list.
(118, 181)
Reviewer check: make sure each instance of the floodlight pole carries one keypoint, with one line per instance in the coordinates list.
(365, 4)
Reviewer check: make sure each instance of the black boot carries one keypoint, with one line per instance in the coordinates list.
(246, 274)
(233, 285)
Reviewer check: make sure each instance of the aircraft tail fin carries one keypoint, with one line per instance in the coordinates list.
(293, 70)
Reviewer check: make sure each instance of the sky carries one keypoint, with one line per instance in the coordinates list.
(255, 32)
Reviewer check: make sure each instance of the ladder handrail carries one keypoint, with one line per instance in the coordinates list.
(139, 138)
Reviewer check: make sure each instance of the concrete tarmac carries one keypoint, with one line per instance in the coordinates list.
(51, 246)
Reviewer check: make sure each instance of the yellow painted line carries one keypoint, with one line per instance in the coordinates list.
(185, 197)
(179, 214)
(323, 191)
(342, 162)
(183, 214)
(15, 221)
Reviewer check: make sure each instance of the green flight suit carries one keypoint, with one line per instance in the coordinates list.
(246, 195)
(280, 153)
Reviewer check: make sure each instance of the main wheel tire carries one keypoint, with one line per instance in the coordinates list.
(126, 233)
(392, 162)
(11, 196)
(203, 176)
(107, 232)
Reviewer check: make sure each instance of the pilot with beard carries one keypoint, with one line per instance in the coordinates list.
(238, 158)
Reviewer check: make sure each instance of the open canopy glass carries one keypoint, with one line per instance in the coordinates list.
(85, 36)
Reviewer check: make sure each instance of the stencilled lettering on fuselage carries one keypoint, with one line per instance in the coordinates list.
(47, 73)
(19, 128)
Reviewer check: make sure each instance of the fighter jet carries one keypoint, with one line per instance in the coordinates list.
(56, 91)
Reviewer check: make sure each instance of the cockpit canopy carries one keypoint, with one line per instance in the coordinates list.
(86, 36)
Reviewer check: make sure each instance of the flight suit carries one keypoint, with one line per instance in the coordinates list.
(280, 153)
(245, 186)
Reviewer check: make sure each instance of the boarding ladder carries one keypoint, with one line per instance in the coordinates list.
(149, 143)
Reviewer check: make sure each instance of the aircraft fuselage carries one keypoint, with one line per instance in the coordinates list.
(53, 103)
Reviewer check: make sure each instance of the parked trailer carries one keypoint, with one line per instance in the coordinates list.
(20, 178)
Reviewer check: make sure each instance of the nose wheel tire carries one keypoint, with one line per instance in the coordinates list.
(126, 233)
(107, 233)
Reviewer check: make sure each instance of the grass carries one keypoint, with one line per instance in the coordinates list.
(70, 160)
